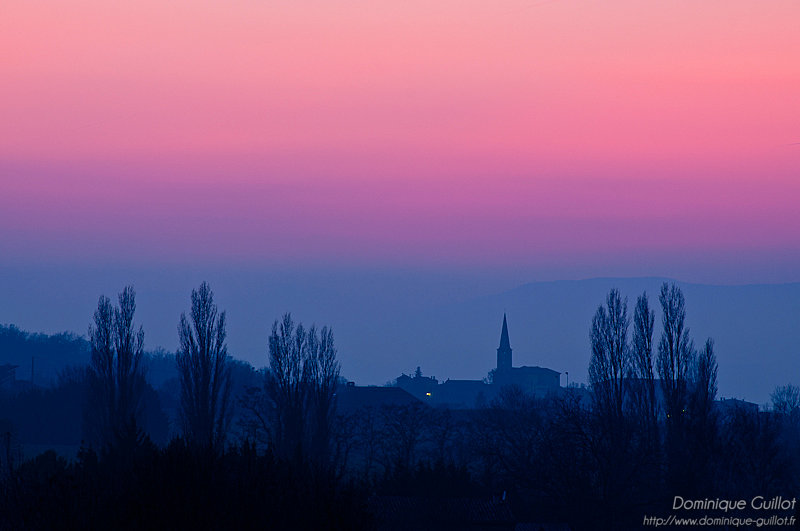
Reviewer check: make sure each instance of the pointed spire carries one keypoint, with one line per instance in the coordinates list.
(505, 344)
(504, 352)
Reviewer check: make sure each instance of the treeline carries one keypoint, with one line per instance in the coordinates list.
(129, 474)
(272, 449)
(175, 487)
(41, 356)
(650, 428)
(655, 429)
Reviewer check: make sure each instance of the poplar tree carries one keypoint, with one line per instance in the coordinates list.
(204, 371)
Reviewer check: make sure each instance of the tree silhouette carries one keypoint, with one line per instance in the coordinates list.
(115, 373)
(322, 376)
(301, 385)
(404, 430)
(204, 372)
(675, 358)
(702, 435)
(610, 361)
(705, 381)
(675, 352)
(785, 399)
(614, 443)
(642, 358)
(285, 385)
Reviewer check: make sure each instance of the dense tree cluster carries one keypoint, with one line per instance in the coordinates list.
(174, 488)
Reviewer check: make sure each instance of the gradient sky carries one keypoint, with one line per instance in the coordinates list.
(568, 137)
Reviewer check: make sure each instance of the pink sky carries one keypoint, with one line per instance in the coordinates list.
(450, 133)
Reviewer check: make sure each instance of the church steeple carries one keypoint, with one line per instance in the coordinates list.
(504, 351)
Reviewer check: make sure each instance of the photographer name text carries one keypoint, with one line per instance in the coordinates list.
(758, 503)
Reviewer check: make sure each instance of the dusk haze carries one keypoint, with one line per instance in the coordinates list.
(371, 264)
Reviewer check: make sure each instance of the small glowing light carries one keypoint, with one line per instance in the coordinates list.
(427, 394)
